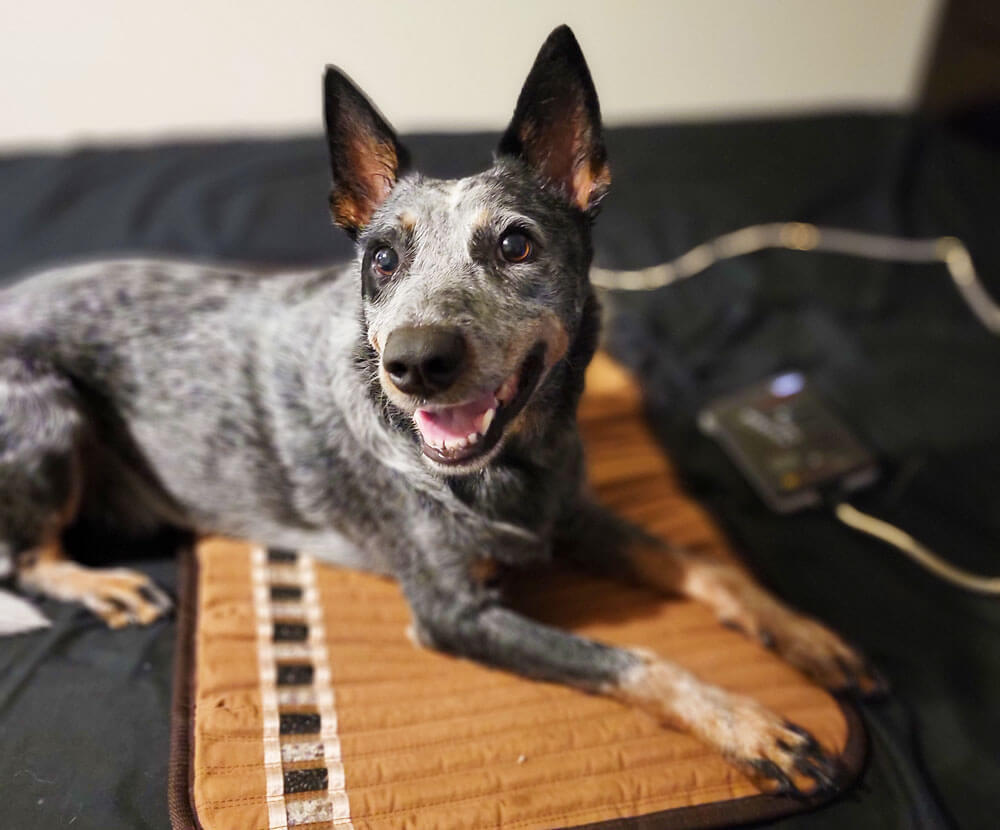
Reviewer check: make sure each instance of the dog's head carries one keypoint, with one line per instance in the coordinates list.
(474, 289)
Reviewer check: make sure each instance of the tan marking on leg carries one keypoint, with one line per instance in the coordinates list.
(657, 566)
(743, 731)
(117, 595)
(804, 643)
(740, 602)
(51, 550)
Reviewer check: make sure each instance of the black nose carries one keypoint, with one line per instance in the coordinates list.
(424, 360)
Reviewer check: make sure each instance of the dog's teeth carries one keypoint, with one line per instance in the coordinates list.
(437, 444)
(506, 391)
(472, 437)
(487, 420)
(456, 444)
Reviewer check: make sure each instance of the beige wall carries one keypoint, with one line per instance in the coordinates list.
(98, 70)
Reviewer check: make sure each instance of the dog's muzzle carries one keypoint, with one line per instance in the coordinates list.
(458, 435)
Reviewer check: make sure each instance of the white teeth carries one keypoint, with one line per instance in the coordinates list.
(506, 391)
(456, 444)
(487, 420)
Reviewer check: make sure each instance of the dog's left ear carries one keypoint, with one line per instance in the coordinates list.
(556, 126)
(365, 156)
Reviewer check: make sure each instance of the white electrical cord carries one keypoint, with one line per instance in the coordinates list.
(904, 542)
(802, 236)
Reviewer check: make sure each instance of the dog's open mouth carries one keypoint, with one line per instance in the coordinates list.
(457, 434)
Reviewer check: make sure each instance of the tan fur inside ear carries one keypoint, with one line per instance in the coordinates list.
(590, 184)
(563, 151)
(374, 164)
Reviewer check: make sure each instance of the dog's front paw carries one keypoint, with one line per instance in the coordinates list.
(807, 645)
(823, 656)
(118, 596)
(779, 757)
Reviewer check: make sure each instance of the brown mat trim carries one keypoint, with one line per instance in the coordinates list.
(699, 817)
(180, 769)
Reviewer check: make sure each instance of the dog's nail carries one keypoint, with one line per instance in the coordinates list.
(824, 775)
(807, 741)
(772, 772)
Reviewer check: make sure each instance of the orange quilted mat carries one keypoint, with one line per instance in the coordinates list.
(302, 703)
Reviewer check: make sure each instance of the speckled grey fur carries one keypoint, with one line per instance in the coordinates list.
(252, 402)
(255, 403)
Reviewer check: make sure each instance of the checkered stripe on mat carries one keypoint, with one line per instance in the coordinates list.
(302, 758)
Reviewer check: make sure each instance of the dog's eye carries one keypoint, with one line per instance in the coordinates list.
(385, 260)
(515, 246)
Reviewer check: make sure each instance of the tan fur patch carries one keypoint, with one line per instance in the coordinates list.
(723, 587)
(550, 331)
(562, 152)
(118, 596)
(51, 551)
(484, 570)
(374, 164)
(556, 339)
(740, 602)
(742, 730)
(483, 219)
(408, 221)
(657, 566)
(589, 185)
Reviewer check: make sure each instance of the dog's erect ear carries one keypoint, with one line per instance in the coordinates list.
(365, 156)
(556, 126)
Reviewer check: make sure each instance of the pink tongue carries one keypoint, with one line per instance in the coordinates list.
(449, 423)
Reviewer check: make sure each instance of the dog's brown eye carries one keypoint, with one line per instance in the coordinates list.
(386, 261)
(515, 246)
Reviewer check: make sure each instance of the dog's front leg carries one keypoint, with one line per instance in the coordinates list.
(466, 621)
(599, 540)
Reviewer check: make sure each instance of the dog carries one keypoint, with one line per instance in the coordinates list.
(412, 413)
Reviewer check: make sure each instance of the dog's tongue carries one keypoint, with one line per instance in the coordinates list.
(452, 423)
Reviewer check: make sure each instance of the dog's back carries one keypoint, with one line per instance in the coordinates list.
(173, 362)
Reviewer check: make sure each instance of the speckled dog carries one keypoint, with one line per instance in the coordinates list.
(412, 413)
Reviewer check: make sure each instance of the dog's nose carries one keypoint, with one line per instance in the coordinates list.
(424, 360)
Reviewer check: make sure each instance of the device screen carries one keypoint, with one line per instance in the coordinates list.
(788, 442)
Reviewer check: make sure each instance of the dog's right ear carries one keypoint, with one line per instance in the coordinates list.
(365, 156)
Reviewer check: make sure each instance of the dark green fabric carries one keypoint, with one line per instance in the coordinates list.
(84, 712)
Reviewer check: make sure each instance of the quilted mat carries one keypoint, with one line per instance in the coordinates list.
(301, 702)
